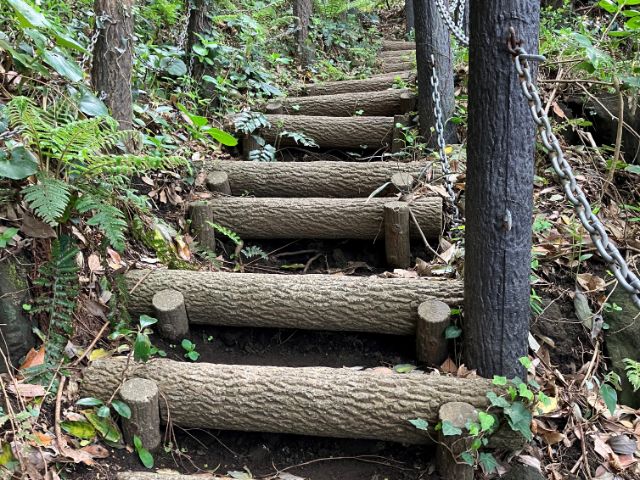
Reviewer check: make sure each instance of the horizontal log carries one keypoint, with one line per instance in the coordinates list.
(397, 67)
(374, 83)
(311, 302)
(331, 132)
(328, 402)
(408, 55)
(381, 103)
(398, 45)
(315, 218)
(311, 179)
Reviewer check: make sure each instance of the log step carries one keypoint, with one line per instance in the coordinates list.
(381, 103)
(372, 84)
(394, 45)
(310, 302)
(311, 179)
(395, 67)
(406, 55)
(329, 402)
(331, 132)
(312, 218)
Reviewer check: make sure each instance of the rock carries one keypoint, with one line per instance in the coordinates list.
(622, 340)
(14, 323)
(523, 472)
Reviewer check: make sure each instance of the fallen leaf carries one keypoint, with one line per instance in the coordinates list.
(590, 282)
(94, 263)
(96, 451)
(449, 366)
(34, 228)
(33, 358)
(27, 390)
(98, 353)
(623, 445)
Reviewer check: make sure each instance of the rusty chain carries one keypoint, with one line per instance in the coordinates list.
(456, 29)
(606, 248)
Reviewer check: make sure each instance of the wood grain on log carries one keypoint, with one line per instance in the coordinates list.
(381, 103)
(331, 132)
(311, 179)
(434, 317)
(218, 182)
(143, 398)
(398, 45)
(169, 310)
(374, 83)
(316, 218)
(407, 55)
(317, 401)
(397, 242)
(313, 302)
(390, 67)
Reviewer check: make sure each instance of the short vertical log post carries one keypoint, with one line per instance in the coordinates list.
(399, 123)
(169, 309)
(205, 235)
(249, 144)
(407, 102)
(397, 242)
(142, 397)
(402, 181)
(433, 319)
(451, 446)
(218, 182)
(274, 108)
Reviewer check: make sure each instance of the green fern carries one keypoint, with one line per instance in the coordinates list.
(632, 369)
(59, 279)
(227, 232)
(109, 219)
(48, 198)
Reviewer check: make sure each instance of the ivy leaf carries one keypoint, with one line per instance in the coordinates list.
(122, 408)
(488, 462)
(487, 421)
(497, 401)
(519, 419)
(404, 368)
(419, 423)
(497, 380)
(173, 66)
(610, 397)
(449, 429)
(147, 321)
(467, 458)
(452, 331)
(193, 355)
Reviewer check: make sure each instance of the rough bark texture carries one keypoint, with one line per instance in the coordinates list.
(169, 309)
(372, 84)
(201, 231)
(398, 44)
(408, 15)
(433, 319)
(397, 242)
(218, 182)
(499, 191)
(405, 55)
(393, 67)
(432, 38)
(199, 24)
(319, 401)
(381, 103)
(312, 302)
(311, 179)
(113, 58)
(331, 132)
(142, 397)
(303, 9)
(315, 218)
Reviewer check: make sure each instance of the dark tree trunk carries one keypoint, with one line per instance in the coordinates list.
(499, 190)
(409, 16)
(432, 38)
(302, 9)
(199, 25)
(113, 58)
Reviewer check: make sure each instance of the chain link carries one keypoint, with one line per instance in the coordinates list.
(456, 28)
(607, 249)
(184, 26)
(87, 58)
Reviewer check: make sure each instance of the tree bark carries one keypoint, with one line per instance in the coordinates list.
(383, 103)
(330, 402)
(397, 241)
(392, 67)
(409, 16)
(113, 58)
(398, 44)
(311, 302)
(499, 191)
(432, 38)
(303, 9)
(315, 218)
(199, 25)
(331, 132)
(372, 84)
(311, 179)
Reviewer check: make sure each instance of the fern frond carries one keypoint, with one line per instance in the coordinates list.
(227, 232)
(48, 198)
(632, 369)
(108, 218)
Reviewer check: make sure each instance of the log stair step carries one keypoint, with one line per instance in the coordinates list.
(394, 45)
(406, 55)
(371, 84)
(384, 103)
(396, 67)
(330, 402)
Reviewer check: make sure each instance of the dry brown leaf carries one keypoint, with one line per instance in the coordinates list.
(96, 451)
(590, 282)
(449, 366)
(33, 358)
(94, 263)
(27, 390)
(34, 228)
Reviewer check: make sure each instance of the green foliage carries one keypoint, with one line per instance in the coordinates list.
(632, 369)
(190, 349)
(48, 198)
(143, 454)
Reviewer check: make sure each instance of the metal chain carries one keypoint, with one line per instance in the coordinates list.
(184, 30)
(456, 29)
(461, 15)
(452, 203)
(87, 58)
(607, 249)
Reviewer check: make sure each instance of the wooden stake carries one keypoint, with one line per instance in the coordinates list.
(218, 182)
(204, 233)
(402, 181)
(142, 397)
(451, 446)
(169, 309)
(433, 319)
(407, 102)
(396, 234)
(274, 108)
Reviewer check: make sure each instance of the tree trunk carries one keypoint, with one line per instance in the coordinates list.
(432, 38)
(303, 9)
(408, 16)
(113, 58)
(383, 103)
(331, 132)
(312, 302)
(499, 191)
(311, 179)
(329, 402)
(199, 25)
(372, 84)
(315, 218)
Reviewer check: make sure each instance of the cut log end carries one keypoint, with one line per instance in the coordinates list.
(170, 310)
(218, 182)
(402, 181)
(433, 319)
(142, 397)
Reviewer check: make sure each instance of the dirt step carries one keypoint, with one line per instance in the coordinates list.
(393, 45)
(314, 179)
(372, 84)
(310, 302)
(312, 218)
(331, 132)
(315, 401)
(381, 103)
